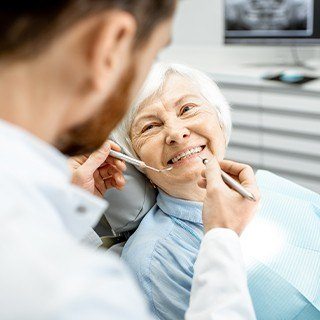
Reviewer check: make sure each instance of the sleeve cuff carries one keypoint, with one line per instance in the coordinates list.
(221, 233)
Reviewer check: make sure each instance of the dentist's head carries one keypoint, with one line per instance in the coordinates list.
(179, 116)
(69, 69)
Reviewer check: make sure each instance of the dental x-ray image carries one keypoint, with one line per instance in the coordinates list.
(269, 17)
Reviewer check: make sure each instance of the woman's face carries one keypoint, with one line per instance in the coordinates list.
(174, 129)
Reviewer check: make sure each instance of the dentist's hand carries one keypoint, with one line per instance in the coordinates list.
(224, 207)
(98, 172)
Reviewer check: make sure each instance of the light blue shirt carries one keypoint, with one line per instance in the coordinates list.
(45, 272)
(164, 248)
(162, 253)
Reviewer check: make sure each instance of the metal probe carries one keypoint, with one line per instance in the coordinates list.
(135, 162)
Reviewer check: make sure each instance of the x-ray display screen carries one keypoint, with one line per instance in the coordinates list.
(269, 18)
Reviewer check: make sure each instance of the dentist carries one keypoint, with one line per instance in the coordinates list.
(68, 71)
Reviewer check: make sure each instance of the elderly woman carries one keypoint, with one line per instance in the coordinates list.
(180, 118)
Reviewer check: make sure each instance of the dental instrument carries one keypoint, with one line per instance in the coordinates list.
(135, 162)
(233, 183)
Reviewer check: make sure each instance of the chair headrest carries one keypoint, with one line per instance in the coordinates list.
(128, 207)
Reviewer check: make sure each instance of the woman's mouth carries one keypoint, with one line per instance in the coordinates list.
(186, 154)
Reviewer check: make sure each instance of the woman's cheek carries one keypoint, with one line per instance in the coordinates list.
(215, 137)
(204, 120)
(137, 147)
(138, 143)
(148, 153)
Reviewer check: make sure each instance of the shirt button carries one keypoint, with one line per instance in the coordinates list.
(81, 209)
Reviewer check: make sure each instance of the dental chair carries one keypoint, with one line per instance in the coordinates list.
(126, 210)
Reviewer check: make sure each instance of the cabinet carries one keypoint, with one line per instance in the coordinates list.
(276, 129)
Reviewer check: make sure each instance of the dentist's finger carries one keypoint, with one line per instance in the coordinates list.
(114, 146)
(96, 159)
(99, 183)
(111, 173)
(244, 174)
(120, 164)
(212, 175)
(111, 183)
(119, 180)
(108, 171)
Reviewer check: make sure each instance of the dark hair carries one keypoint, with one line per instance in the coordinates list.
(26, 27)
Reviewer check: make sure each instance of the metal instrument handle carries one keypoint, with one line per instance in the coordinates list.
(121, 156)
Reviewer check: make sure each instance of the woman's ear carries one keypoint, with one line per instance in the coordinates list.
(223, 129)
(111, 49)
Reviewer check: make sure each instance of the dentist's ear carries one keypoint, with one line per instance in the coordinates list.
(111, 48)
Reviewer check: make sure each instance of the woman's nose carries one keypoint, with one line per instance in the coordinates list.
(177, 135)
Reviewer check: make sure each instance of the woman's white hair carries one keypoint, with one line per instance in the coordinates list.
(153, 85)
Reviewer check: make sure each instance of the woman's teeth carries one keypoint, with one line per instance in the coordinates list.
(186, 154)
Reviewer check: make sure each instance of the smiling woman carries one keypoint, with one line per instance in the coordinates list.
(180, 115)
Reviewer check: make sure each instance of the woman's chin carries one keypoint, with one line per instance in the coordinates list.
(188, 169)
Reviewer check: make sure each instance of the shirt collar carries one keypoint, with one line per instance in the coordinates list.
(28, 158)
(179, 208)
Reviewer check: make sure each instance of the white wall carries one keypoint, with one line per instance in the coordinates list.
(200, 23)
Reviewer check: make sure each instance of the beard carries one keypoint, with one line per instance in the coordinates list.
(90, 135)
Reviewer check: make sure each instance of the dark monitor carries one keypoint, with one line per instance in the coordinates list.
(274, 22)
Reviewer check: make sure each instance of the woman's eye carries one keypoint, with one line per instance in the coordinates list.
(186, 108)
(148, 127)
